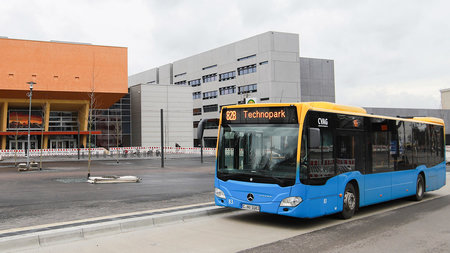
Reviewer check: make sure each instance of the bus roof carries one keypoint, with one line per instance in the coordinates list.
(335, 107)
(332, 107)
(430, 120)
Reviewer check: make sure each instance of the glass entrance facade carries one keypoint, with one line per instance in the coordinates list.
(114, 124)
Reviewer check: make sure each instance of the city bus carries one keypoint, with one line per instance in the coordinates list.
(317, 158)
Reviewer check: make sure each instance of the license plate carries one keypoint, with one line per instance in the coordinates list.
(250, 207)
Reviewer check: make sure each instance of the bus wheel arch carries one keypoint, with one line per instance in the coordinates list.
(420, 186)
(350, 200)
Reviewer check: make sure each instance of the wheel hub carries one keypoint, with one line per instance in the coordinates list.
(350, 200)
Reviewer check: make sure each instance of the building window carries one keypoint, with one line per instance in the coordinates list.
(210, 108)
(247, 69)
(227, 76)
(195, 124)
(210, 94)
(181, 82)
(196, 95)
(247, 57)
(194, 83)
(227, 90)
(263, 62)
(212, 124)
(247, 88)
(209, 78)
(210, 67)
(181, 74)
(197, 111)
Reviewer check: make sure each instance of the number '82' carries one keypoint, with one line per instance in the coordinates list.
(231, 115)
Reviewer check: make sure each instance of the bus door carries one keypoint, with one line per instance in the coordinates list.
(350, 153)
(350, 150)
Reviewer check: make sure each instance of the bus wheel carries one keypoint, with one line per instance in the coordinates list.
(420, 188)
(349, 206)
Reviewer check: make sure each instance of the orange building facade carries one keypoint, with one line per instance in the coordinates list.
(69, 79)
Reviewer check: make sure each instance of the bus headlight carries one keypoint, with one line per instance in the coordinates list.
(291, 201)
(219, 193)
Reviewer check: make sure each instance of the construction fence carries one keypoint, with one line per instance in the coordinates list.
(121, 152)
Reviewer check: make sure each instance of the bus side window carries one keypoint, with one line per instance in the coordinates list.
(420, 147)
(435, 145)
(409, 147)
(321, 160)
(383, 145)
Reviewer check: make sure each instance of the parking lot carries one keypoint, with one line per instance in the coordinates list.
(60, 193)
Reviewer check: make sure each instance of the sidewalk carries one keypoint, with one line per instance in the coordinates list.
(44, 235)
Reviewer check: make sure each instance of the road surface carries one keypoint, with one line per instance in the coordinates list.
(397, 226)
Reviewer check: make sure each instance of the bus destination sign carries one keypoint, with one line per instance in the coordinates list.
(260, 115)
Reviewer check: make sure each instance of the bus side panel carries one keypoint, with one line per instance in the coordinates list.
(404, 182)
(377, 187)
(322, 199)
(435, 177)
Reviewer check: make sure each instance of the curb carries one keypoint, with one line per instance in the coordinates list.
(32, 240)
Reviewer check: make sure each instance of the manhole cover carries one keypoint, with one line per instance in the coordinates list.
(71, 180)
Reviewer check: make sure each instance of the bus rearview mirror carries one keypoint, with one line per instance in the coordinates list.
(314, 138)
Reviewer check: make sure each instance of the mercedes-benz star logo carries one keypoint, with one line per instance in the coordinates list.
(250, 197)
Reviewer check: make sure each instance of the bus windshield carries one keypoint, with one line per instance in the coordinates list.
(264, 153)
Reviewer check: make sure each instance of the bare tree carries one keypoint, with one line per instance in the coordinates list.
(92, 105)
(43, 114)
(118, 133)
(15, 138)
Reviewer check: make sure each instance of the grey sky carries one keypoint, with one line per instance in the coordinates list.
(387, 53)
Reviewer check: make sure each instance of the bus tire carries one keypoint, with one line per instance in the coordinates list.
(349, 202)
(420, 188)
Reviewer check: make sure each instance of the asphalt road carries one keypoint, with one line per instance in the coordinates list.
(424, 227)
(396, 226)
(60, 193)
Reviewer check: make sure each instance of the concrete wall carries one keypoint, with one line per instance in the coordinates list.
(177, 105)
(166, 74)
(317, 80)
(150, 76)
(445, 99)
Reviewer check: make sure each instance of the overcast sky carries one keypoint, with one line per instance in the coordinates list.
(386, 53)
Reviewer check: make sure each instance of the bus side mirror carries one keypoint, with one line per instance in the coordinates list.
(314, 138)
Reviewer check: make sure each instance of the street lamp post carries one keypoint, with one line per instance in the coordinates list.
(29, 123)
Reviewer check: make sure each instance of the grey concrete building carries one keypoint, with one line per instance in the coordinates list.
(445, 99)
(266, 67)
(146, 103)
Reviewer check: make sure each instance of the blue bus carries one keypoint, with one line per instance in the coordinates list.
(317, 158)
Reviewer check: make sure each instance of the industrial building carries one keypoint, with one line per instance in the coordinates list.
(146, 105)
(68, 79)
(266, 68)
